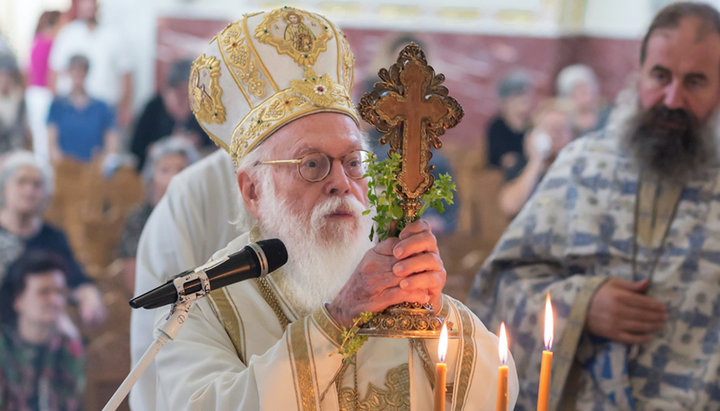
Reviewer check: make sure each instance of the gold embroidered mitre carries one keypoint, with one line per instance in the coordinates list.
(266, 70)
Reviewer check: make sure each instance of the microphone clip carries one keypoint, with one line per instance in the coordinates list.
(199, 274)
(180, 282)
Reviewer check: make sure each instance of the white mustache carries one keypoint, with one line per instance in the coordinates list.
(347, 204)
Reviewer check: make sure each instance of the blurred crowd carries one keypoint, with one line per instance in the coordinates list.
(71, 102)
(524, 137)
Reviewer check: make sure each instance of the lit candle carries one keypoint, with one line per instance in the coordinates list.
(441, 370)
(544, 388)
(502, 392)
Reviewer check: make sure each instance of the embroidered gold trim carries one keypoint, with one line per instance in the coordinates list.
(322, 91)
(302, 365)
(466, 364)
(315, 93)
(346, 59)
(420, 346)
(269, 297)
(233, 72)
(246, 34)
(327, 326)
(206, 104)
(296, 384)
(237, 56)
(421, 349)
(296, 39)
(230, 319)
(395, 395)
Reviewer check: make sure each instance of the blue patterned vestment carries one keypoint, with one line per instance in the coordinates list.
(575, 232)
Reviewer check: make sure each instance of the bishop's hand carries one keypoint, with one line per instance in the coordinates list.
(400, 269)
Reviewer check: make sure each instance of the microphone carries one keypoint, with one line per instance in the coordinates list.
(254, 260)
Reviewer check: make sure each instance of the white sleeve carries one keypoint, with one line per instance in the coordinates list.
(59, 54)
(200, 369)
(164, 250)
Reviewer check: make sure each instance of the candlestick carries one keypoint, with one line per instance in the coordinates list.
(502, 388)
(546, 364)
(441, 371)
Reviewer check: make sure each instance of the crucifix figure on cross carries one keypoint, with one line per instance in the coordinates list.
(412, 109)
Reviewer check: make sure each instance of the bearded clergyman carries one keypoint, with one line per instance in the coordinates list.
(286, 119)
(624, 233)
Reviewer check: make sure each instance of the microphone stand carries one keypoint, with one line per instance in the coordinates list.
(168, 331)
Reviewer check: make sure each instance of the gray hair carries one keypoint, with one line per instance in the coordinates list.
(515, 83)
(13, 161)
(571, 76)
(168, 146)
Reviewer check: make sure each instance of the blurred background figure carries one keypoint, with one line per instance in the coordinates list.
(506, 131)
(578, 84)
(38, 95)
(552, 130)
(14, 131)
(110, 76)
(79, 125)
(41, 368)
(25, 191)
(442, 223)
(167, 157)
(168, 113)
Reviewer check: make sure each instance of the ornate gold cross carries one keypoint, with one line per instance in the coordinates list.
(411, 108)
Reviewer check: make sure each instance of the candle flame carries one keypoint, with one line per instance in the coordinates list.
(503, 344)
(548, 323)
(443, 343)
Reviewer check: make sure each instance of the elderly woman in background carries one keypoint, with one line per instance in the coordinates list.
(41, 368)
(578, 84)
(26, 187)
(167, 157)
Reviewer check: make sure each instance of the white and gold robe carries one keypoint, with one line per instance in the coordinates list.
(235, 353)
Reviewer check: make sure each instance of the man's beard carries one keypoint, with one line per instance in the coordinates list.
(322, 254)
(669, 145)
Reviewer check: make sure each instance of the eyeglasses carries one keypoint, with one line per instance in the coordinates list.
(314, 167)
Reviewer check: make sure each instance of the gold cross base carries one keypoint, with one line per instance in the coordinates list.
(406, 320)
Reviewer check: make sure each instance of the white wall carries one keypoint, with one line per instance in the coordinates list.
(18, 19)
(617, 18)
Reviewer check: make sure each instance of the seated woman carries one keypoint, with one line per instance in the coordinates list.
(25, 191)
(551, 132)
(167, 157)
(41, 368)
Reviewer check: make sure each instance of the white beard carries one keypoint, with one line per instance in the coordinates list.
(321, 254)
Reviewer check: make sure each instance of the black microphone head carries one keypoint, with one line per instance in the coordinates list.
(275, 253)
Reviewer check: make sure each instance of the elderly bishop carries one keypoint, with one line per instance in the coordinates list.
(282, 111)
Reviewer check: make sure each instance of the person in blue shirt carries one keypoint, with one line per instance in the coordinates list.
(80, 126)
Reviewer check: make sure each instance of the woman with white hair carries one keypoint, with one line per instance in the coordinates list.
(167, 157)
(578, 84)
(26, 187)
